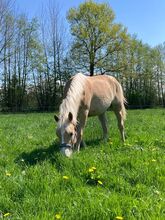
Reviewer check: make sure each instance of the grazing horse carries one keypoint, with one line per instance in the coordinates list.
(88, 96)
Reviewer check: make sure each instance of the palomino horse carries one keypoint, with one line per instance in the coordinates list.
(88, 96)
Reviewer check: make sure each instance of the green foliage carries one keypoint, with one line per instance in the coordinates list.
(90, 16)
(95, 34)
(37, 182)
(37, 60)
(100, 45)
(142, 73)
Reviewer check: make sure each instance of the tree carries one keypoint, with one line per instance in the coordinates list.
(95, 35)
(7, 30)
(53, 38)
(6, 24)
(160, 63)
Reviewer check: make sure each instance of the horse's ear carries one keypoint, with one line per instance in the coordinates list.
(70, 116)
(56, 118)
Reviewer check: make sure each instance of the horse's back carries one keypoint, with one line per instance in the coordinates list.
(103, 84)
(97, 92)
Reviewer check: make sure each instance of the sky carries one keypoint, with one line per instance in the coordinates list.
(145, 18)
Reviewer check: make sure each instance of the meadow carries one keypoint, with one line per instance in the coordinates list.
(106, 180)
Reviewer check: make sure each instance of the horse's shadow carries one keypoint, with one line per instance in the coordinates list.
(94, 142)
(44, 153)
(39, 155)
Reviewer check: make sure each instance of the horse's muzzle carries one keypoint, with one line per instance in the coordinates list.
(66, 149)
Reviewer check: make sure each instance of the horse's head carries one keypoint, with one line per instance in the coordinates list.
(67, 134)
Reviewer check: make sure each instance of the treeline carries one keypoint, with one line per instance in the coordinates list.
(37, 57)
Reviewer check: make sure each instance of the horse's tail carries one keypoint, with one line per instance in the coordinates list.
(122, 100)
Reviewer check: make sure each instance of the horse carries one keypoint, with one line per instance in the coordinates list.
(88, 96)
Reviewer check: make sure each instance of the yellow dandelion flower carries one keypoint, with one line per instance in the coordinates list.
(65, 177)
(94, 168)
(99, 181)
(90, 170)
(119, 218)
(58, 216)
(6, 214)
(110, 141)
(8, 174)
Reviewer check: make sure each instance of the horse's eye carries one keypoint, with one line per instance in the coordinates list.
(71, 134)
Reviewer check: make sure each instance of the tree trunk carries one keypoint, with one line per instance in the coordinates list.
(91, 69)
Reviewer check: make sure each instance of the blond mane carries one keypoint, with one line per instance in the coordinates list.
(72, 100)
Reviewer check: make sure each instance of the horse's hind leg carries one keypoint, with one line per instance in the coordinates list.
(103, 122)
(119, 115)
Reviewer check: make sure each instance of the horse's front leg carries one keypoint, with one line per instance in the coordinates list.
(79, 138)
(82, 122)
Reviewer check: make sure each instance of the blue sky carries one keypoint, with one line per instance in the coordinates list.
(145, 18)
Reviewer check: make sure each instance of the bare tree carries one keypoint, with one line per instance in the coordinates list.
(6, 34)
(53, 37)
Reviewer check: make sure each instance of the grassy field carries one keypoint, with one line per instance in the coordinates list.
(104, 181)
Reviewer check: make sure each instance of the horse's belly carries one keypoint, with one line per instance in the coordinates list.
(99, 105)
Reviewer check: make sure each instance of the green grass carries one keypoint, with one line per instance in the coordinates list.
(132, 175)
